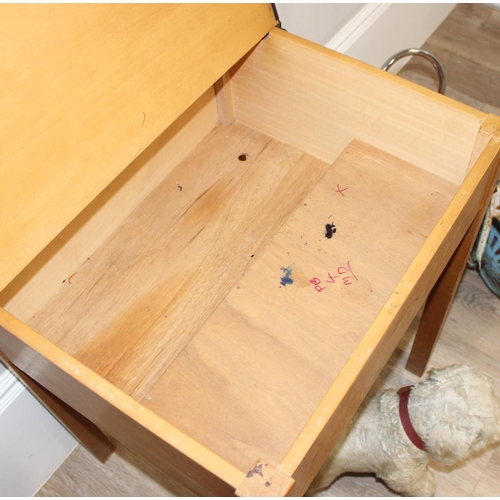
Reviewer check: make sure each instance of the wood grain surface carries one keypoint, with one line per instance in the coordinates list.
(129, 309)
(250, 379)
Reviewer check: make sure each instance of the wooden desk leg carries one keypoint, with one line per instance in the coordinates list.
(439, 303)
(441, 297)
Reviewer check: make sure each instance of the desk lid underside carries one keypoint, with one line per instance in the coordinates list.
(86, 88)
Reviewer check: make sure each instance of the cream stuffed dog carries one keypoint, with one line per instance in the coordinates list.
(450, 415)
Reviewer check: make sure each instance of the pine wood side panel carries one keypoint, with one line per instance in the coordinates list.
(319, 100)
(224, 98)
(115, 413)
(86, 88)
(312, 446)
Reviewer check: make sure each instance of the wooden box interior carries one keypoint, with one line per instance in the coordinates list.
(224, 279)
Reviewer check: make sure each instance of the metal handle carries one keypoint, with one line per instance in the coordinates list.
(422, 53)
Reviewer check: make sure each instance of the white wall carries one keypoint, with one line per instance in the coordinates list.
(370, 32)
(32, 442)
(317, 22)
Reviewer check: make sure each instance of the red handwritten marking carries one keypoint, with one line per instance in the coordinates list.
(316, 282)
(331, 279)
(341, 270)
(347, 270)
(341, 191)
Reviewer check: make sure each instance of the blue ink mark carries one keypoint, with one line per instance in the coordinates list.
(285, 279)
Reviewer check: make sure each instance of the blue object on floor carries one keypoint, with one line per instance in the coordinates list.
(490, 262)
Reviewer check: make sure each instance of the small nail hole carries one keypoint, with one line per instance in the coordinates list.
(243, 157)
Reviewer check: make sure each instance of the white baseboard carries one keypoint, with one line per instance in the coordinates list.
(10, 388)
(357, 26)
(33, 442)
(377, 31)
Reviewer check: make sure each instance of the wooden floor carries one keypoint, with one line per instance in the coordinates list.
(468, 46)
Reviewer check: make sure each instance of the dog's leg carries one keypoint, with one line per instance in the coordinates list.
(424, 485)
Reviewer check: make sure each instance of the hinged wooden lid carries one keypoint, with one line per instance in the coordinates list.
(86, 88)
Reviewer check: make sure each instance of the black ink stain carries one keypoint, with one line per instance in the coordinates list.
(330, 230)
(285, 279)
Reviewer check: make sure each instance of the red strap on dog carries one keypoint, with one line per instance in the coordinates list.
(404, 415)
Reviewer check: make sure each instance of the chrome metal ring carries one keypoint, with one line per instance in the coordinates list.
(421, 53)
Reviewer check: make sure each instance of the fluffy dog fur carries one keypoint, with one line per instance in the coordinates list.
(453, 411)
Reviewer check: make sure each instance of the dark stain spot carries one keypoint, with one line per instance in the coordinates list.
(243, 157)
(330, 230)
(256, 470)
(285, 279)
